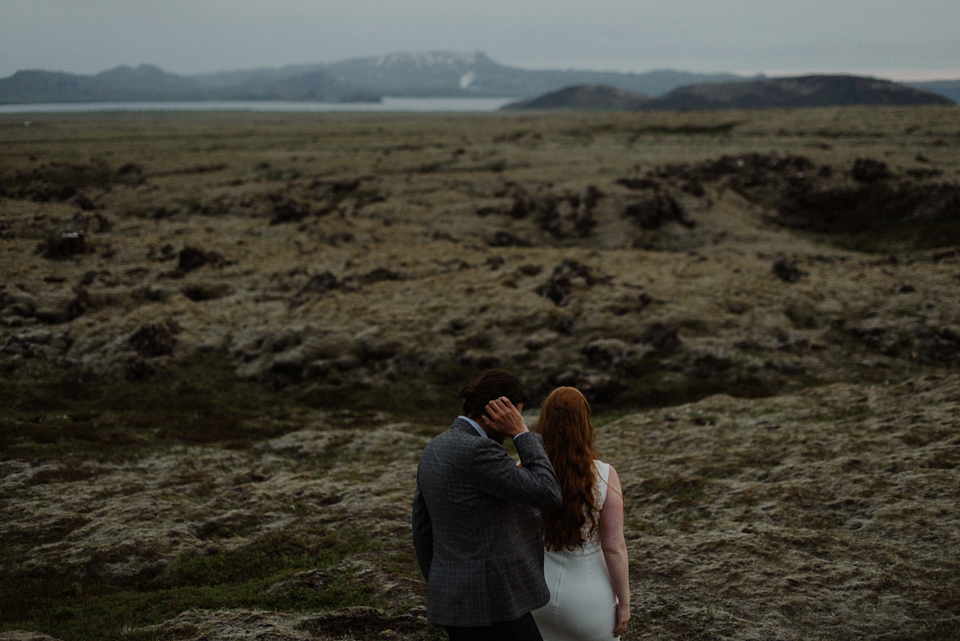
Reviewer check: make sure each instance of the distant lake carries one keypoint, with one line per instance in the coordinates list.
(409, 105)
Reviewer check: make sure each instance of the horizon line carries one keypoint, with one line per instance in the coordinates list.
(895, 75)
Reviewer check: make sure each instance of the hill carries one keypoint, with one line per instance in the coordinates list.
(804, 91)
(147, 83)
(807, 91)
(143, 83)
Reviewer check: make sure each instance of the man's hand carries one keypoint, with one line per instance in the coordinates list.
(504, 418)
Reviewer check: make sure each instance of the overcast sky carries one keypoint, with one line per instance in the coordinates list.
(897, 39)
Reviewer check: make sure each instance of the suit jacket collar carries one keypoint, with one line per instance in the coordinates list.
(464, 426)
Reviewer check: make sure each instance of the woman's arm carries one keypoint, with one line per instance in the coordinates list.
(615, 549)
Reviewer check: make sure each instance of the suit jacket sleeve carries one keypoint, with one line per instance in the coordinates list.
(422, 534)
(532, 483)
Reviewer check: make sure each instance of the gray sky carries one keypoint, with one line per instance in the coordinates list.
(898, 39)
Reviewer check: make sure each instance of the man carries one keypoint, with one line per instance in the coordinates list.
(476, 522)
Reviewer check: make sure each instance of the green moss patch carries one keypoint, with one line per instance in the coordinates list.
(71, 606)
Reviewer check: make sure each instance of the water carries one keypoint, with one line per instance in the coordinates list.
(388, 105)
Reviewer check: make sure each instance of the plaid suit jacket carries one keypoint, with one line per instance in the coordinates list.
(476, 526)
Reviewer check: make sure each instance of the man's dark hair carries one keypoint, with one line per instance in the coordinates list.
(492, 384)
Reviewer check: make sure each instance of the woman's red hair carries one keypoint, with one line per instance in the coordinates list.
(567, 433)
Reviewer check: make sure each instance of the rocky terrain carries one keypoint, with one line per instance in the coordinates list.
(225, 339)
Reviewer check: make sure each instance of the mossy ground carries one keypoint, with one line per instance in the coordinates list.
(67, 606)
(81, 426)
(789, 461)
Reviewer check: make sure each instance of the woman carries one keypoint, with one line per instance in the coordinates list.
(585, 562)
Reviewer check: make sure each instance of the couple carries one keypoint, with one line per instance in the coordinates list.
(477, 529)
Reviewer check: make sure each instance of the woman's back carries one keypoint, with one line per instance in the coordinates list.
(582, 602)
(585, 566)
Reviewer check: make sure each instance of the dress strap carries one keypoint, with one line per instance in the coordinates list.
(600, 487)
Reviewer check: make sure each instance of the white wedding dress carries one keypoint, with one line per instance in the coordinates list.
(582, 604)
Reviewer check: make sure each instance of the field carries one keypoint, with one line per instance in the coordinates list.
(225, 338)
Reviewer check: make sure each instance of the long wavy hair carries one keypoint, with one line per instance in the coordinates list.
(567, 433)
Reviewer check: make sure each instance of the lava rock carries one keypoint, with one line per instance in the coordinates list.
(654, 212)
(662, 338)
(786, 269)
(191, 258)
(65, 244)
(155, 339)
(868, 170)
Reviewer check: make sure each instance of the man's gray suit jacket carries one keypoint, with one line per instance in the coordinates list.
(476, 526)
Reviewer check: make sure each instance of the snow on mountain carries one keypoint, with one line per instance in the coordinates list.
(425, 60)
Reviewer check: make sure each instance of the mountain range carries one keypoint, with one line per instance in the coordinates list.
(437, 74)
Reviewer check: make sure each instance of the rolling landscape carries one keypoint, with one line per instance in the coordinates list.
(226, 337)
